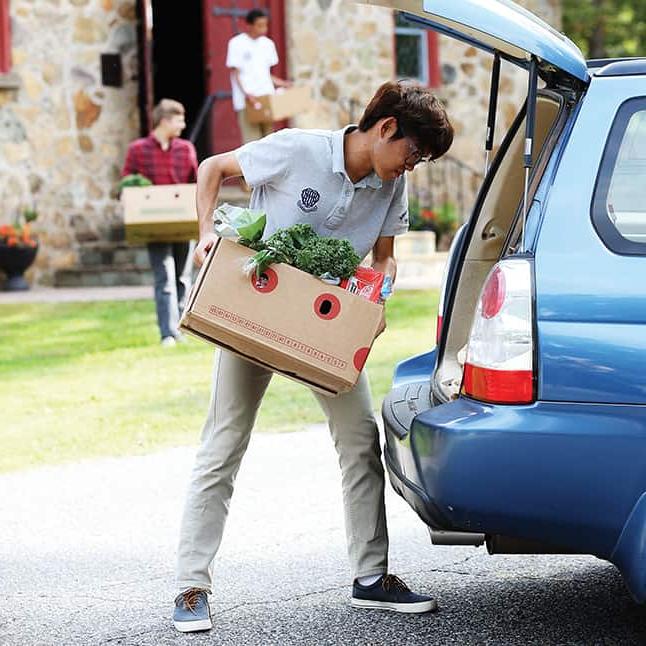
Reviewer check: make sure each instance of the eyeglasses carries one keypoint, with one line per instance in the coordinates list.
(415, 156)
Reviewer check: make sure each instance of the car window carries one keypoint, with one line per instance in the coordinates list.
(626, 202)
(619, 209)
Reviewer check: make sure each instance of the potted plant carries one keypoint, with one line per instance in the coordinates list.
(442, 221)
(18, 250)
(446, 224)
(421, 219)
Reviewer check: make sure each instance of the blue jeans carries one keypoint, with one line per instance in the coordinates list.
(172, 271)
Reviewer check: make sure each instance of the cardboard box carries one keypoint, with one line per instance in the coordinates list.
(292, 323)
(282, 105)
(160, 213)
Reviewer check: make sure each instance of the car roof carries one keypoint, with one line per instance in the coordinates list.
(605, 67)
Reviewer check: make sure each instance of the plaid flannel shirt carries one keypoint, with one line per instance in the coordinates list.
(177, 165)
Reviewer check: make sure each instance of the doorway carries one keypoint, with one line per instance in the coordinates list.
(224, 19)
(182, 56)
(177, 58)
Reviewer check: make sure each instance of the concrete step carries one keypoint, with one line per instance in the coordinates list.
(103, 276)
(115, 233)
(114, 254)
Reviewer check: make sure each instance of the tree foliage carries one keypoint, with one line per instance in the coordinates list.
(606, 28)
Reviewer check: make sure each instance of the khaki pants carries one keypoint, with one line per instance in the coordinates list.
(252, 131)
(238, 389)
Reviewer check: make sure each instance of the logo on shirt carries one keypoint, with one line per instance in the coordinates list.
(309, 200)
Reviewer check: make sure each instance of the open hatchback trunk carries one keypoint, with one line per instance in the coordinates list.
(497, 226)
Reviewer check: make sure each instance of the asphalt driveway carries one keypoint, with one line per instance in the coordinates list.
(87, 554)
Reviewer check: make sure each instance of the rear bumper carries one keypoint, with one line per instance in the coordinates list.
(414, 495)
(566, 474)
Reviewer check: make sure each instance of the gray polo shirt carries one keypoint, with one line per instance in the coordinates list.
(299, 176)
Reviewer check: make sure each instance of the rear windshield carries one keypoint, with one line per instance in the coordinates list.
(619, 206)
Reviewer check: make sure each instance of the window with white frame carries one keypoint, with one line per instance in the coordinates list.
(411, 51)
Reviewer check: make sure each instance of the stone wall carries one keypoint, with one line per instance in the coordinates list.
(62, 134)
(343, 51)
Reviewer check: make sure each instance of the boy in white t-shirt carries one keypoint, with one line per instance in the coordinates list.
(250, 57)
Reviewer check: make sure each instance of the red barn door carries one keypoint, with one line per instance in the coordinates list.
(223, 19)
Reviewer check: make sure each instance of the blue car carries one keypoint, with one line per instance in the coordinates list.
(525, 427)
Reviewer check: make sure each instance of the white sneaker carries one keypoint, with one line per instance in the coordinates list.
(168, 342)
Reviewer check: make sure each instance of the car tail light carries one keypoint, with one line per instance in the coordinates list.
(499, 365)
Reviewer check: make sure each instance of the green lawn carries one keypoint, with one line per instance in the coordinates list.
(90, 379)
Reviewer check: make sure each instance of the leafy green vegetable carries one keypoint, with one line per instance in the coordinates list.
(328, 256)
(288, 242)
(248, 224)
(302, 247)
(134, 180)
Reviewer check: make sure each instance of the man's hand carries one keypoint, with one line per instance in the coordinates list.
(210, 174)
(203, 247)
(278, 82)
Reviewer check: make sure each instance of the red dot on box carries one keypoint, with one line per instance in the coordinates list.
(360, 357)
(327, 306)
(266, 283)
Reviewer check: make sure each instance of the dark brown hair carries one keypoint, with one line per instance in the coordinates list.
(253, 15)
(166, 108)
(419, 114)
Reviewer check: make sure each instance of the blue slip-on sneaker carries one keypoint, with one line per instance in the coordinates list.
(192, 612)
(390, 593)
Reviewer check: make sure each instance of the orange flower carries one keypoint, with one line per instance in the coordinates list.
(6, 230)
(427, 214)
(25, 237)
(20, 233)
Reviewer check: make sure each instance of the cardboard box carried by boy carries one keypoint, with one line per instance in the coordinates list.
(162, 213)
(283, 104)
(288, 321)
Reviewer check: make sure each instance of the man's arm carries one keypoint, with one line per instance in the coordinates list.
(210, 174)
(236, 75)
(278, 82)
(383, 259)
(383, 256)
